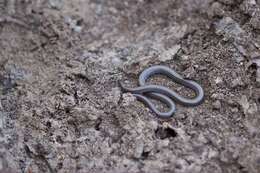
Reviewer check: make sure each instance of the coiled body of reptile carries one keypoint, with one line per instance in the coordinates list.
(162, 93)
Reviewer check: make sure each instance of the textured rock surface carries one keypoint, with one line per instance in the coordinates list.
(61, 109)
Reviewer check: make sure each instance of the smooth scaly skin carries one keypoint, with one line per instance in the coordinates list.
(164, 94)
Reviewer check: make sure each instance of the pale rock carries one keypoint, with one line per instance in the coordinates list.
(218, 80)
(178, 31)
(154, 125)
(248, 7)
(234, 110)
(216, 105)
(244, 103)
(212, 154)
(114, 95)
(237, 82)
(57, 4)
(252, 109)
(216, 9)
(116, 61)
(229, 28)
(170, 53)
(139, 149)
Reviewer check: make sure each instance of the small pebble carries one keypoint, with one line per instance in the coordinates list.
(116, 62)
(114, 95)
(202, 139)
(77, 29)
(252, 109)
(255, 20)
(234, 110)
(212, 153)
(248, 7)
(185, 57)
(57, 4)
(219, 80)
(73, 24)
(216, 9)
(237, 82)
(139, 149)
(154, 125)
(216, 105)
(244, 103)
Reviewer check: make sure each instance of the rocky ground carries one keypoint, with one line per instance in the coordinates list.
(61, 109)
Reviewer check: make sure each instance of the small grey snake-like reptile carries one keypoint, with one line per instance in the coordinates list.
(162, 93)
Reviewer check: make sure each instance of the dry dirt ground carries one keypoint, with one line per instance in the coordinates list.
(61, 109)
